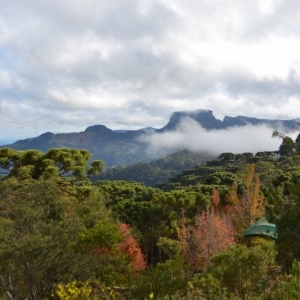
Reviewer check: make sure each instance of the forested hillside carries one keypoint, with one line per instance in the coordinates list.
(63, 236)
(127, 147)
(156, 172)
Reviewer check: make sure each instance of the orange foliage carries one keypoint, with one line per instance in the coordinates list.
(183, 233)
(212, 233)
(128, 246)
(215, 198)
(131, 249)
(245, 210)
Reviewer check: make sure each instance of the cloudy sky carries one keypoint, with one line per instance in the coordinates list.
(68, 64)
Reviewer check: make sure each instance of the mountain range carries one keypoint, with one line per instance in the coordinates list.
(123, 147)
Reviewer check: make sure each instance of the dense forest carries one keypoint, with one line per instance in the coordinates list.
(157, 172)
(67, 234)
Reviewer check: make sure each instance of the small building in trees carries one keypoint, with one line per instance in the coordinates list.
(262, 228)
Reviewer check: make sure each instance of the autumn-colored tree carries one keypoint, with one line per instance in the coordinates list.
(183, 232)
(131, 249)
(211, 234)
(247, 208)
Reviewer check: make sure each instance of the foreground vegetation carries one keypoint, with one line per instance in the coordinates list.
(63, 236)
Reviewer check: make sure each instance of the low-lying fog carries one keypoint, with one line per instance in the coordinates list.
(190, 135)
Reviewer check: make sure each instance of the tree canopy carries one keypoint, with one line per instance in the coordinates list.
(65, 236)
(59, 162)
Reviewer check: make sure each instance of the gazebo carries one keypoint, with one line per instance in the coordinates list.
(262, 228)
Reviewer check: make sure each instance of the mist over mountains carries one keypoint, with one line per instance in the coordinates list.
(198, 131)
(208, 121)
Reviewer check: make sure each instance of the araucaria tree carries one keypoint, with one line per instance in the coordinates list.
(49, 237)
(36, 238)
(57, 163)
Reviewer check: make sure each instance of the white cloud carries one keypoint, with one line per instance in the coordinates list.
(131, 63)
(190, 135)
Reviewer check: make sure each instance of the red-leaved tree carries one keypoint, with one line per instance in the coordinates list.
(130, 248)
(212, 233)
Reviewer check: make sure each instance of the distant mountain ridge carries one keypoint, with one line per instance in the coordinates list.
(123, 147)
(208, 121)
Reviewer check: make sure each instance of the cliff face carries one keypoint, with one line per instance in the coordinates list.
(123, 147)
(207, 120)
(243, 121)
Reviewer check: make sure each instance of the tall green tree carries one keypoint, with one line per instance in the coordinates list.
(36, 238)
(244, 271)
(46, 239)
(287, 286)
(56, 163)
(288, 146)
(284, 211)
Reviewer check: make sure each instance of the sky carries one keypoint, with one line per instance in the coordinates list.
(128, 64)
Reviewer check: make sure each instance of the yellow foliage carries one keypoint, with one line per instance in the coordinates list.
(74, 291)
(246, 209)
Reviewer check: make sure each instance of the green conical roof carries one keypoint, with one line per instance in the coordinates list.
(262, 228)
